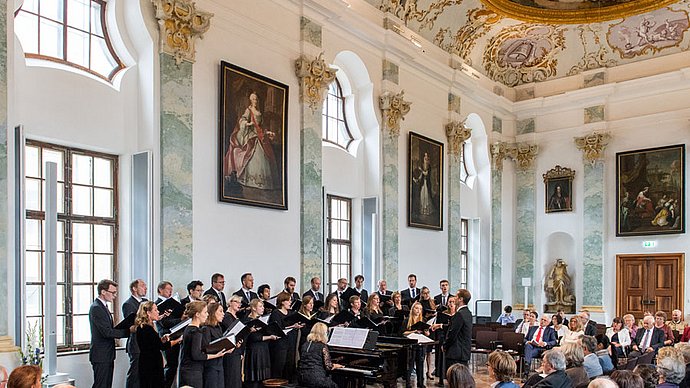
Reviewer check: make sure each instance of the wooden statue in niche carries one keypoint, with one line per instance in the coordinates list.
(559, 290)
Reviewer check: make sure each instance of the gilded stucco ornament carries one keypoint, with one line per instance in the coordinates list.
(523, 154)
(393, 108)
(315, 76)
(179, 24)
(498, 153)
(593, 146)
(457, 134)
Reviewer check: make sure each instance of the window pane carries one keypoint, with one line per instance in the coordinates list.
(60, 236)
(31, 158)
(81, 200)
(78, 14)
(34, 304)
(81, 268)
(60, 330)
(103, 203)
(56, 157)
(78, 47)
(81, 237)
(334, 254)
(103, 238)
(32, 234)
(345, 253)
(101, 60)
(60, 300)
(335, 231)
(60, 267)
(60, 200)
(32, 266)
(52, 9)
(102, 172)
(30, 5)
(96, 25)
(81, 331)
(82, 299)
(81, 169)
(102, 267)
(32, 195)
(51, 39)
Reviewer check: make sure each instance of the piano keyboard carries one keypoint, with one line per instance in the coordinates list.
(365, 372)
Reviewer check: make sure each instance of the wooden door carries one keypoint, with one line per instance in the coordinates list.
(649, 283)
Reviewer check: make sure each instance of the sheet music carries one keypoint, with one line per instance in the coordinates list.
(329, 319)
(273, 300)
(180, 326)
(264, 319)
(421, 338)
(431, 321)
(347, 337)
(235, 329)
(287, 330)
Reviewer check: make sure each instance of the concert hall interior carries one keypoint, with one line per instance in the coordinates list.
(531, 154)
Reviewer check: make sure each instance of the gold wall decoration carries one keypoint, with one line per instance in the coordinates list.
(179, 24)
(498, 153)
(457, 134)
(393, 109)
(406, 10)
(524, 53)
(315, 76)
(593, 145)
(523, 154)
(573, 12)
(479, 22)
(594, 57)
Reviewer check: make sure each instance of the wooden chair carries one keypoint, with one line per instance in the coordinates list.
(646, 359)
(514, 344)
(485, 343)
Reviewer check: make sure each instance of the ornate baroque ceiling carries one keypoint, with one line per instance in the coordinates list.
(521, 41)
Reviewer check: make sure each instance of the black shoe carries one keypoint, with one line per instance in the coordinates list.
(440, 384)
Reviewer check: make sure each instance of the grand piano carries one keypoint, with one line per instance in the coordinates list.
(383, 364)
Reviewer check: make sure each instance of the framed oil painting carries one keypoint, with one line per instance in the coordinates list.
(425, 183)
(558, 189)
(650, 191)
(252, 139)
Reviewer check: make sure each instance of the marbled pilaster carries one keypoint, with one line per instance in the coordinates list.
(524, 232)
(311, 200)
(454, 223)
(176, 171)
(390, 210)
(3, 170)
(496, 258)
(593, 241)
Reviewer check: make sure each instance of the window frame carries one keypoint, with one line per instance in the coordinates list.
(331, 283)
(464, 253)
(65, 28)
(68, 219)
(324, 130)
(464, 172)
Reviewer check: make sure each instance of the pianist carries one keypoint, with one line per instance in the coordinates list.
(315, 360)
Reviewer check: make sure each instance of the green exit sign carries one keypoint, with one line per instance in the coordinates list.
(648, 244)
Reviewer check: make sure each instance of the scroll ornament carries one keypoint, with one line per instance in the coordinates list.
(457, 134)
(498, 153)
(593, 145)
(315, 76)
(179, 24)
(394, 108)
(523, 154)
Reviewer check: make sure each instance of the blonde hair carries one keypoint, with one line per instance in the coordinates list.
(254, 304)
(319, 333)
(371, 307)
(684, 348)
(412, 319)
(574, 354)
(142, 317)
(578, 320)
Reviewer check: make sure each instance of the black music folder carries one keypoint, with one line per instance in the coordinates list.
(297, 317)
(126, 323)
(340, 318)
(350, 292)
(421, 326)
(177, 330)
(317, 305)
(295, 305)
(384, 298)
(273, 329)
(176, 309)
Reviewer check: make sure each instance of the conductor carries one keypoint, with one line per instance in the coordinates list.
(459, 338)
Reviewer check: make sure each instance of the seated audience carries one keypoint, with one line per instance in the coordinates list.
(459, 376)
(507, 318)
(538, 339)
(648, 338)
(575, 330)
(648, 374)
(588, 325)
(685, 351)
(629, 321)
(574, 356)
(627, 379)
(25, 376)
(660, 323)
(554, 367)
(591, 361)
(619, 335)
(529, 319)
(558, 326)
(502, 368)
(607, 357)
(671, 368)
(676, 323)
(602, 382)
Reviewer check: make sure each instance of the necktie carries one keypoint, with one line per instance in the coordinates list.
(412, 292)
(538, 339)
(645, 339)
(443, 300)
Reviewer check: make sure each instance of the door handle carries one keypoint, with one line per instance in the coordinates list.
(648, 302)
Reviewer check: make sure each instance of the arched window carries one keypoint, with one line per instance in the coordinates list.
(335, 128)
(464, 174)
(71, 32)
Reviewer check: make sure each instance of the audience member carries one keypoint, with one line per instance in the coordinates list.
(648, 338)
(502, 368)
(538, 339)
(575, 330)
(671, 371)
(602, 382)
(554, 367)
(25, 376)
(677, 323)
(629, 321)
(619, 335)
(607, 357)
(591, 361)
(660, 323)
(574, 356)
(459, 376)
(649, 375)
(588, 325)
(522, 325)
(507, 318)
(684, 348)
(558, 326)
(627, 379)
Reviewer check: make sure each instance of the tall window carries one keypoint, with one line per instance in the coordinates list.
(339, 240)
(464, 174)
(72, 32)
(87, 235)
(335, 128)
(464, 249)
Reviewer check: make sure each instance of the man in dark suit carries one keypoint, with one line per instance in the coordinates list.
(340, 290)
(442, 298)
(553, 365)
(217, 285)
(359, 287)
(408, 295)
(315, 290)
(246, 292)
(458, 344)
(290, 284)
(589, 325)
(172, 355)
(383, 290)
(103, 334)
(539, 339)
(195, 288)
(131, 306)
(648, 338)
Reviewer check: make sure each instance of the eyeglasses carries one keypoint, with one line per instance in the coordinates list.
(111, 292)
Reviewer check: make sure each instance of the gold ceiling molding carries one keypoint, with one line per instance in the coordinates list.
(528, 13)
(179, 24)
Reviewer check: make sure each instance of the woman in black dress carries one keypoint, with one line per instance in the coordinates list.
(257, 359)
(283, 350)
(373, 311)
(192, 357)
(330, 308)
(315, 360)
(307, 310)
(150, 346)
(212, 330)
(418, 351)
(396, 298)
(429, 311)
(232, 363)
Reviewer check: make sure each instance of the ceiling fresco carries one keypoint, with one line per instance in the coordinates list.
(519, 49)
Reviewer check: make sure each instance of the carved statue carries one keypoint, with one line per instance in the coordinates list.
(558, 287)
